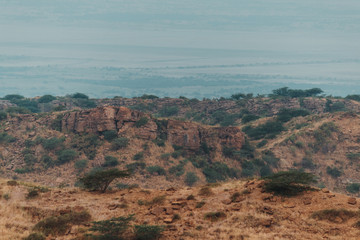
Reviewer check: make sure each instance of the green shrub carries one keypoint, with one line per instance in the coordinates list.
(110, 161)
(112, 229)
(168, 111)
(12, 97)
(86, 143)
(132, 167)
(101, 179)
(80, 165)
(46, 99)
(178, 170)
(65, 156)
(27, 104)
(141, 122)
(353, 156)
(148, 232)
(119, 143)
(139, 156)
(249, 118)
(59, 225)
(287, 114)
(191, 178)
(269, 130)
(85, 103)
(219, 172)
(30, 159)
(110, 135)
(57, 123)
(214, 216)
(23, 170)
(353, 188)
(333, 172)
(165, 156)
(53, 143)
(32, 193)
(289, 183)
(79, 95)
(262, 143)
(307, 163)
(47, 161)
(6, 138)
(35, 236)
(156, 169)
(3, 115)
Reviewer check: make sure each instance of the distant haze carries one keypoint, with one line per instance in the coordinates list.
(201, 48)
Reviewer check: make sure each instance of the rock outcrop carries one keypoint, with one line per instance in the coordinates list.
(190, 136)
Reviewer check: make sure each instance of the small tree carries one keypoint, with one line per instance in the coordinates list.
(101, 179)
(289, 183)
(111, 229)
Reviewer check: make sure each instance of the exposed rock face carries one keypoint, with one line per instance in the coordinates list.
(186, 134)
(4, 104)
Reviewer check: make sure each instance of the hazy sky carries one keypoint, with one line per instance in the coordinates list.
(310, 39)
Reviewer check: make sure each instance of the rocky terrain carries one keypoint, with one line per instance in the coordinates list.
(232, 210)
(189, 161)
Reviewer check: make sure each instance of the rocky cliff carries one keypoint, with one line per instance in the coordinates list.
(189, 135)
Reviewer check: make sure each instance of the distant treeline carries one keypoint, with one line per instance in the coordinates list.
(32, 105)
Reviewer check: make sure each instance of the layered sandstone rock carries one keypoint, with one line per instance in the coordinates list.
(189, 135)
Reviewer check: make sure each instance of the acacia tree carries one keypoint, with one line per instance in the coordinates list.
(100, 180)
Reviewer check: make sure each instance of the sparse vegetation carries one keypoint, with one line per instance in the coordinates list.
(191, 178)
(214, 216)
(111, 229)
(119, 143)
(148, 232)
(156, 170)
(141, 122)
(58, 225)
(101, 179)
(335, 215)
(110, 161)
(353, 188)
(289, 183)
(333, 172)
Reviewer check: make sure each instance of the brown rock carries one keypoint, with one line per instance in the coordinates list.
(265, 222)
(226, 201)
(169, 210)
(351, 201)
(157, 211)
(331, 195)
(168, 220)
(307, 201)
(325, 190)
(289, 205)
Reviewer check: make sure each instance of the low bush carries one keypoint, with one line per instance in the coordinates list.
(138, 156)
(52, 143)
(46, 98)
(191, 178)
(214, 216)
(156, 170)
(111, 229)
(249, 118)
(59, 225)
(148, 232)
(353, 188)
(334, 215)
(141, 122)
(177, 170)
(333, 172)
(35, 236)
(219, 172)
(3, 115)
(110, 161)
(119, 143)
(110, 135)
(132, 167)
(289, 183)
(168, 111)
(66, 156)
(267, 130)
(287, 114)
(80, 165)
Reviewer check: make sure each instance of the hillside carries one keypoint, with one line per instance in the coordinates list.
(232, 210)
(55, 148)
